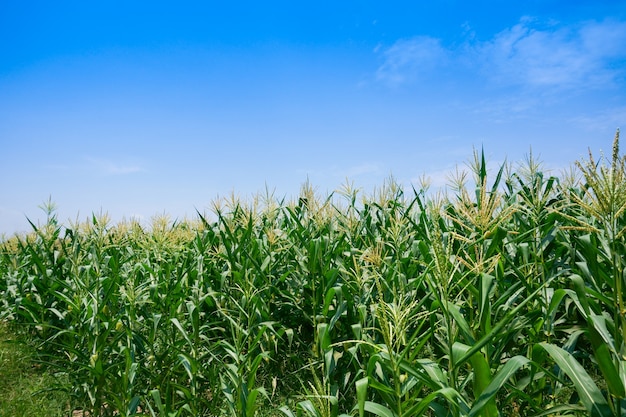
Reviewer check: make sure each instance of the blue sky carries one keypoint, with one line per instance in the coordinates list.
(143, 108)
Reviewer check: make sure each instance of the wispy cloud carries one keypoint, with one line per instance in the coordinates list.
(409, 58)
(531, 54)
(610, 118)
(507, 108)
(553, 56)
(358, 170)
(110, 167)
(58, 167)
(337, 173)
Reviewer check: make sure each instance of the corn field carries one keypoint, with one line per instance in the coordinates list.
(503, 296)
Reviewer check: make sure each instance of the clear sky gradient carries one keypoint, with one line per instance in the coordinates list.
(138, 108)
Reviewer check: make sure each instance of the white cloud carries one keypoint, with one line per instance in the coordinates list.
(554, 56)
(528, 54)
(409, 58)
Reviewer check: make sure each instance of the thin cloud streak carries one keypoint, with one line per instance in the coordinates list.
(358, 170)
(343, 172)
(609, 118)
(109, 167)
(506, 109)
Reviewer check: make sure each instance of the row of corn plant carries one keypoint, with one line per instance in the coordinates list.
(501, 296)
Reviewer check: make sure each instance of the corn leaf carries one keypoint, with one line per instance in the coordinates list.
(589, 393)
(497, 382)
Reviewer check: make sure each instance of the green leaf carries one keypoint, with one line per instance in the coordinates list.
(323, 336)
(251, 402)
(134, 403)
(156, 397)
(464, 327)
(555, 302)
(498, 329)
(559, 410)
(361, 394)
(487, 282)
(448, 393)
(426, 371)
(481, 377)
(579, 287)
(266, 263)
(181, 330)
(602, 333)
(379, 410)
(328, 299)
(498, 381)
(309, 408)
(588, 391)
(602, 344)
(286, 411)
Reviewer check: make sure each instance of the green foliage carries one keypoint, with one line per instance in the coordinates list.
(505, 298)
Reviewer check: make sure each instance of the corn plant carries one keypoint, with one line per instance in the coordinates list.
(597, 281)
(502, 297)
